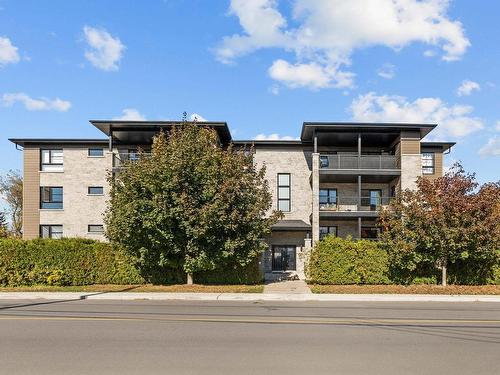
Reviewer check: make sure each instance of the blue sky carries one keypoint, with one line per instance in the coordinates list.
(263, 66)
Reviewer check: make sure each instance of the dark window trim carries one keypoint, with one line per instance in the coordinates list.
(51, 197)
(370, 228)
(328, 195)
(329, 227)
(294, 257)
(50, 229)
(289, 186)
(50, 157)
(429, 168)
(95, 148)
(94, 231)
(93, 187)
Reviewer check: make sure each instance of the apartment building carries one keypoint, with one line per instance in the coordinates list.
(334, 180)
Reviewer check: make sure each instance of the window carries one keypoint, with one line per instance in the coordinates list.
(327, 197)
(95, 228)
(51, 160)
(96, 152)
(133, 154)
(51, 198)
(428, 163)
(284, 192)
(372, 198)
(327, 230)
(95, 190)
(324, 162)
(51, 231)
(369, 232)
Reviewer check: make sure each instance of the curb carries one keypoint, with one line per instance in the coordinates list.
(159, 296)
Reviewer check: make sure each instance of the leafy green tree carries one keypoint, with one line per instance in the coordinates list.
(11, 190)
(190, 204)
(450, 224)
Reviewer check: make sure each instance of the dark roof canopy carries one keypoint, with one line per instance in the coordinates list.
(444, 146)
(141, 132)
(58, 141)
(291, 225)
(309, 128)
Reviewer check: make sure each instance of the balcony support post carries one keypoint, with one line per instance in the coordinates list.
(110, 141)
(359, 150)
(359, 192)
(359, 227)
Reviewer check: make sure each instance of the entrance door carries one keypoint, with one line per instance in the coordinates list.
(283, 258)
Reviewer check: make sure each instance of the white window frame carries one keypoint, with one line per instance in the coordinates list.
(55, 163)
(431, 167)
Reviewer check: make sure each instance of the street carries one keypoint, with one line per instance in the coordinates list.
(188, 337)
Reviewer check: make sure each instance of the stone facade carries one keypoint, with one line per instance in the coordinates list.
(79, 209)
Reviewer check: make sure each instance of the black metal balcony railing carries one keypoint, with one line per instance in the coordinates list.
(346, 204)
(340, 161)
(121, 158)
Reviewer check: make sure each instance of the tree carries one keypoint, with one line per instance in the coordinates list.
(11, 189)
(4, 231)
(446, 223)
(191, 204)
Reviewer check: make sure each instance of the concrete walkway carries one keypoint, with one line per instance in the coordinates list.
(287, 287)
(266, 296)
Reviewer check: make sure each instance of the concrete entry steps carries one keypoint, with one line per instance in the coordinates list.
(287, 287)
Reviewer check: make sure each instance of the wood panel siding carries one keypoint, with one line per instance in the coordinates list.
(31, 193)
(438, 162)
(410, 146)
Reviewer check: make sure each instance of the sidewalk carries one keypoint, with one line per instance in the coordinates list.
(292, 297)
(287, 287)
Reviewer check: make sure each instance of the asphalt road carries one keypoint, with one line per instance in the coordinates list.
(180, 337)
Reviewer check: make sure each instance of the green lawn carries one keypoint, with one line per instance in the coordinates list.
(180, 288)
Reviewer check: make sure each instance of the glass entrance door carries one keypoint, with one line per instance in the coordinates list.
(283, 258)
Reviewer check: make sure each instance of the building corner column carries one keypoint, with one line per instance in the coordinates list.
(315, 197)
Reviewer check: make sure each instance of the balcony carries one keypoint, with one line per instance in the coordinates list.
(346, 161)
(120, 159)
(345, 206)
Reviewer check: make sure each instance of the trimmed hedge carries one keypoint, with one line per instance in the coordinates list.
(68, 261)
(232, 274)
(335, 260)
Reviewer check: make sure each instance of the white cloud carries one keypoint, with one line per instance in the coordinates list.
(387, 71)
(8, 52)
(197, 117)
(311, 75)
(453, 120)
(467, 87)
(274, 137)
(40, 104)
(429, 53)
(274, 89)
(492, 148)
(329, 31)
(130, 114)
(105, 51)
(497, 126)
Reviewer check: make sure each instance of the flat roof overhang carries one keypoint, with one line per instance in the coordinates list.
(443, 146)
(142, 132)
(382, 132)
(291, 226)
(55, 141)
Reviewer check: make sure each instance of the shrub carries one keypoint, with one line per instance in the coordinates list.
(344, 261)
(69, 261)
(232, 273)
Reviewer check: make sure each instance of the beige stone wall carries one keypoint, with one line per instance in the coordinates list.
(80, 209)
(411, 159)
(297, 162)
(31, 192)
